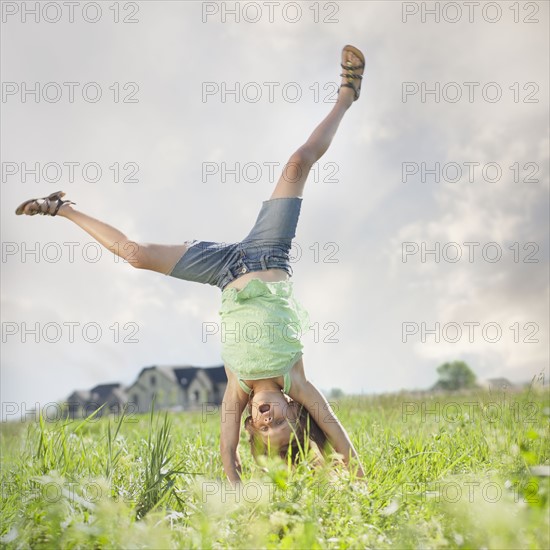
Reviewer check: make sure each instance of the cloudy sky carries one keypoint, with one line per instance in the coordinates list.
(423, 236)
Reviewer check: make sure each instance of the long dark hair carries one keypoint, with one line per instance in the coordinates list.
(305, 432)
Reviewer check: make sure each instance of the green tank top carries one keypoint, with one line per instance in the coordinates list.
(261, 330)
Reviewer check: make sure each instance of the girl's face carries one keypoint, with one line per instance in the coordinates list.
(272, 417)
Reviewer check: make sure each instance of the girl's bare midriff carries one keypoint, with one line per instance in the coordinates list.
(267, 276)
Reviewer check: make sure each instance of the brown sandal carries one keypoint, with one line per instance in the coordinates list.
(43, 205)
(349, 69)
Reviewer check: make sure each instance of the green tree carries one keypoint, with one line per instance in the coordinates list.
(455, 376)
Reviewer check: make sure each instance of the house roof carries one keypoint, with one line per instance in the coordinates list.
(83, 395)
(216, 374)
(104, 390)
(184, 375)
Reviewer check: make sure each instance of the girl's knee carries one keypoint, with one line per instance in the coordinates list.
(135, 254)
(298, 166)
(303, 158)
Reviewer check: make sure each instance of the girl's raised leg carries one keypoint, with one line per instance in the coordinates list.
(294, 176)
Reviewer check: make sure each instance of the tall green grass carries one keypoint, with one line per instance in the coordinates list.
(446, 471)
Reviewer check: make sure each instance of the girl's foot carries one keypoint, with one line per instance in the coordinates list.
(47, 206)
(353, 63)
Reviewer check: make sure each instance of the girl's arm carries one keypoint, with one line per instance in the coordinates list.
(233, 404)
(314, 401)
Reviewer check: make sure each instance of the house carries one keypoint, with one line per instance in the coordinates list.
(111, 397)
(173, 387)
(76, 403)
(176, 388)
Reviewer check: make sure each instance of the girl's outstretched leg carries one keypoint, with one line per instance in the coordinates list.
(155, 257)
(292, 181)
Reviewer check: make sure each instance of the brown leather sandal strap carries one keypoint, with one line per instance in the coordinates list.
(59, 204)
(45, 203)
(352, 75)
(351, 68)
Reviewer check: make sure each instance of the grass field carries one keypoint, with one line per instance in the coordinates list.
(454, 471)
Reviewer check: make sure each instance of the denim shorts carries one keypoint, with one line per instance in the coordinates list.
(267, 246)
